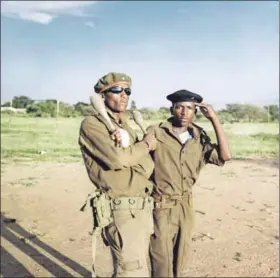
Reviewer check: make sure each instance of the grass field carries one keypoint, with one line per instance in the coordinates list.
(44, 139)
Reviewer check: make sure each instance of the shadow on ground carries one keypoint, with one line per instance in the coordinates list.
(20, 238)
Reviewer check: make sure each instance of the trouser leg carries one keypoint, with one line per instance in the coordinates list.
(162, 242)
(184, 238)
(127, 237)
(170, 244)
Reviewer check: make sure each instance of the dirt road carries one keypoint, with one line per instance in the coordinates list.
(236, 234)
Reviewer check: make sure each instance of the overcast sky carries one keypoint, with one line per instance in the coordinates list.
(226, 51)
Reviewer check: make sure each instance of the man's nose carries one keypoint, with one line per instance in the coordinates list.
(184, 111)
(123, 93)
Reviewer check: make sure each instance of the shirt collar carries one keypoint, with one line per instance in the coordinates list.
(193, 129)
(124, 116)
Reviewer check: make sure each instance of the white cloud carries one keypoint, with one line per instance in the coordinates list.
(44, 11)
(90, 24)
(38, 17)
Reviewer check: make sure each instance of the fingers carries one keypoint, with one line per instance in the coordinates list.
(118, 140)
(113, 134)
(202, 104)
(204, 107)
(116, 136)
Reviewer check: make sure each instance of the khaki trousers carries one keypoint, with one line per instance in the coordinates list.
(171, 240)
(128, 237)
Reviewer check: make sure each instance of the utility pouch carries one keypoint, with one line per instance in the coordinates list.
(101, 208)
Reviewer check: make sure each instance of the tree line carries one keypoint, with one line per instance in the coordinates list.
(52, 108)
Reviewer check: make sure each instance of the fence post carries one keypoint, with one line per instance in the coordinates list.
(268, 114)
(57, 114)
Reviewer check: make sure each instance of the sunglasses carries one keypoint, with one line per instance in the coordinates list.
(118, 90)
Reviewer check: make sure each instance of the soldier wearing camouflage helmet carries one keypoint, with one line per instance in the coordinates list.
(183, 149)
(120, 171)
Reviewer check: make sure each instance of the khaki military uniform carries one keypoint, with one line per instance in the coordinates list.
(177, 167)
(123, 175)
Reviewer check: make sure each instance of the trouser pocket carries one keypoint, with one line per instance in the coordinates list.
(129, 240)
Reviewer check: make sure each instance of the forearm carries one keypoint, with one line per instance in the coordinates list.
(145, 166)
(224, 150)
(114, 158)
(95, 138)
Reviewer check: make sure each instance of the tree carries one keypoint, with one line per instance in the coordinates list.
(42, 109)
(164, 110)
(22, 102)
(164, 113)
(225, 116)
(6, 104)
(236, 110)
(81, 108)
(67, 110)
(272, 112)
(48, 108)
(245, 112)
(254, 113)
(149, 113)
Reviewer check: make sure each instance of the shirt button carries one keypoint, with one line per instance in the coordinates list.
(182, 164)
(184, 178)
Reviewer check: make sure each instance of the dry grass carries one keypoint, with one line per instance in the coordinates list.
(45, 139)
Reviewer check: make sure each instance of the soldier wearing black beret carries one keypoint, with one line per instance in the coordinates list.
(183, 149)
(184, 95)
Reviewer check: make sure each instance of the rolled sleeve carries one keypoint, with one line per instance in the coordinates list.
(211, 155)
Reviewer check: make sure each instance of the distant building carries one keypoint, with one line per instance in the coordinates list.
(16, 110)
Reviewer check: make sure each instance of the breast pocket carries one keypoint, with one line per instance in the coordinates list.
(167, 143)
(193, 157)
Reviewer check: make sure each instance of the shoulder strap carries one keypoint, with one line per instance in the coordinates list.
(95, 234)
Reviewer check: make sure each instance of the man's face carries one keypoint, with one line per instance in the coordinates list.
(183, 112)
(116, 97)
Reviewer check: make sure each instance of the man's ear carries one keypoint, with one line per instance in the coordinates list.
(171, 109)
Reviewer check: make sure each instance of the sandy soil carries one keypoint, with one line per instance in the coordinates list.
(236, 230)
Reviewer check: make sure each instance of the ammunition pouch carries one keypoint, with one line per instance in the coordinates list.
(102, 213)
(101, 209)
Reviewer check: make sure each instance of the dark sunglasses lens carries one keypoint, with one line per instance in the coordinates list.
(127, 91)
(116, 90)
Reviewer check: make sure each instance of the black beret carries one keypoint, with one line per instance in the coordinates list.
(184, 95)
